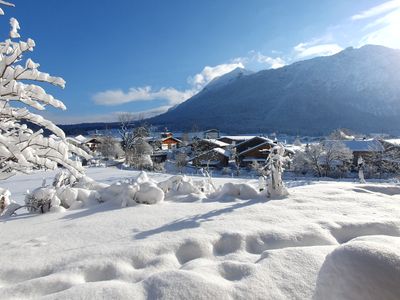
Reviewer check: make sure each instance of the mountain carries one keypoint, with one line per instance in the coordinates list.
(227, 78)
(357, 89)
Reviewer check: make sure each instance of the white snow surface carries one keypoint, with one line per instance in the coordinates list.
(326, 240)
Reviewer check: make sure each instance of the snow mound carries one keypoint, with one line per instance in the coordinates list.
(149, 193)
(231, 191)
(364, 268)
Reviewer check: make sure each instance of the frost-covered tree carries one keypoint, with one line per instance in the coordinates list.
(337, 157)
(110, 147)
(341, 134)
(134, 142)
(323, 159)
(275, 162)
(23, 148)
(360, 165)
(181, 161)
(236, 160)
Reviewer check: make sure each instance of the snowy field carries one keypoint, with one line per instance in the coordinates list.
(325, 241)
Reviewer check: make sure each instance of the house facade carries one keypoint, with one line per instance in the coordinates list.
(211, 134)
(216, 158)
(169, 143)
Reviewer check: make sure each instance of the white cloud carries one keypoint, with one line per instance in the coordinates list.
(384, 28)
(377, 10)
(271, 62)
(308, 50)
(172, 95)
(77, 119)
(201, 79)
(258, 60)
(109, 117)
(117, 97)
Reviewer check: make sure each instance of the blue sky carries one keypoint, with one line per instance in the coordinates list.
(145, 56)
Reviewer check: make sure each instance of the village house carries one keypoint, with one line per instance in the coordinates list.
(235, 140)
(93, 143)
(170, 143)
(203, 145)
(251, 143)
(367, 148)
(259, 153)
(211, 134)
(215, 158)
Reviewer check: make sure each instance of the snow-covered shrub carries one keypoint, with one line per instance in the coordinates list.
(178, 184)
(42, 200)
(88, 183)
(73, 198)
(236, 190)
(4, 199)
(63, 178)
(226, 171)
(258, 168)
(23, 149)
(149, 193)
(121, 193)
(158, 167)
(301, 164)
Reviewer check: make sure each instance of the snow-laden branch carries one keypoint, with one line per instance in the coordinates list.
(21, 148)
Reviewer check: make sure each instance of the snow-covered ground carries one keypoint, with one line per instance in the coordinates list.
(325, 241)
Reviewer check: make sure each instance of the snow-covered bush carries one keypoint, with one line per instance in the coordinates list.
(42, 200)
(4, 199)
(230, 190)
(21, 148)
(149, 193)
(226, 171)
(63, 178)
(121, 193)
(178, 184)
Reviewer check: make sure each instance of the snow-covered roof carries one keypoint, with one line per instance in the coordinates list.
(172, 138)
(362, 145)
(80, 138)
(222, 151)
(250, 159)
(256, 137)
(216, 142)
(393, 141)
(238, 137)
(267, 142)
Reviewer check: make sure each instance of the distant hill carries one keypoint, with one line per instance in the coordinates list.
(357, 89)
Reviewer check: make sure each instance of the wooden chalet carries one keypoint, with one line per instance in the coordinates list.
(203, 145)
(216, 158)
(93, 143)
(259, 153)
(251, 143)
(170, 142)
(211, 134)
(235, 140)
(366, 148)
(159, 156)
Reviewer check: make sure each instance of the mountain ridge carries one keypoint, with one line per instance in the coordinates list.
(355, 88)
